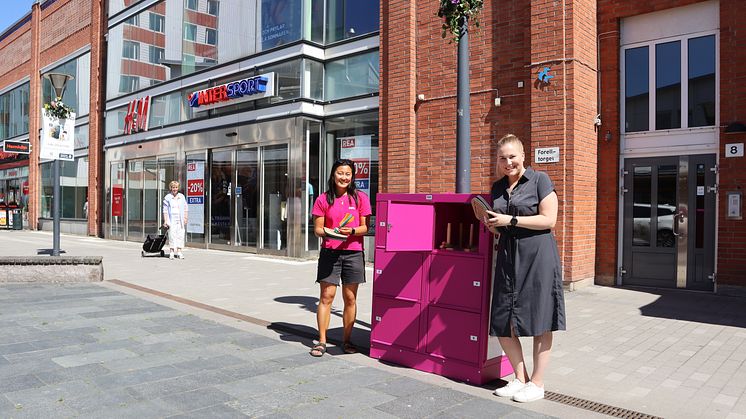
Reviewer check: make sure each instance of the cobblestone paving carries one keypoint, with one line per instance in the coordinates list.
(88, 351)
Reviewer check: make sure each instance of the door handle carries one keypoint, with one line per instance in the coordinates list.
(676, 222)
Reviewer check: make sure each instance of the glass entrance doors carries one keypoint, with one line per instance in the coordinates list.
(248, 198)
(669, 222)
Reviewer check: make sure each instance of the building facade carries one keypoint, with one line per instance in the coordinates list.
(55, 36)
(639, 124)
(247, 104)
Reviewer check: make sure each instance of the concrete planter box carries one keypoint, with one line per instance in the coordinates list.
(47, 269)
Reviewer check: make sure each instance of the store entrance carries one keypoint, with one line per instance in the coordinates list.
(248, 197)
(669, 222)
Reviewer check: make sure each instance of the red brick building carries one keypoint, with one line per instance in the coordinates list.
(57, 35)
(644, 99)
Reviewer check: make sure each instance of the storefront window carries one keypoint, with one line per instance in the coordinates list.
(73, 188)
(280, 22)
(355, 137)
(115, 121)
(352, 76)
(351, 18)
(313, 79)
(81, 136)
(77, 91)
(14, 112)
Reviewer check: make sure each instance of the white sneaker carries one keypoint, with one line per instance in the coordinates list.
(181, 255)
(509, 390)
(531, 392)
(171, 256)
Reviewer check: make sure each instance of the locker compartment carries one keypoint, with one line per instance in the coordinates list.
(395, 322)
(457, 281)
(398, 274)
(453, 334)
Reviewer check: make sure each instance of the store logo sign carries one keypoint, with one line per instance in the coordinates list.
(233, 92)
(136, 119)
(20, 147)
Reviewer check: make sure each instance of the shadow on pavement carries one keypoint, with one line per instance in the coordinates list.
(304, 334)
(695, 306)
(310, 304)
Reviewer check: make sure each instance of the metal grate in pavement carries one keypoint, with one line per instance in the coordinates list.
(605, 409)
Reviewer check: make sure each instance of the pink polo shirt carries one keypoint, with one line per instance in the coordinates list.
(335, 213)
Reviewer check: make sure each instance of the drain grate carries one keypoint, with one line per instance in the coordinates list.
(605, 409)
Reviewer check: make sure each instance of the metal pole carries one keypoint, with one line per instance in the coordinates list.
(463, 105)
(56, 208)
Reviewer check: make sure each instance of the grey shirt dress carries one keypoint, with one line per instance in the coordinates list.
(527, 291)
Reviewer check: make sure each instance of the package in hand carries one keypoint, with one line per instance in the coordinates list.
(480, 207)
(334, 235)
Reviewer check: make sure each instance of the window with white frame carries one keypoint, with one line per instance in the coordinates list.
(190, 32)
(131, 50)
(670, 83)
(157, 22)
(191, 4)
(211, 36)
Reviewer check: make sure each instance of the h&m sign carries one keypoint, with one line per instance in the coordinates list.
(233, 92)
(136, 119)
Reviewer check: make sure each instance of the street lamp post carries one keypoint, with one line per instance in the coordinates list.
(58, 81)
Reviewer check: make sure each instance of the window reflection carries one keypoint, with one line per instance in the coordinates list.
(668, 85)
(666, 205)
(701, 81)
(641, 201)
(77, 90)
(352, 76)
(637, 91)
(14, 112)
(351, 18)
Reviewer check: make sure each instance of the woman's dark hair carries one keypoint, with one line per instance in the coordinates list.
(331, 185)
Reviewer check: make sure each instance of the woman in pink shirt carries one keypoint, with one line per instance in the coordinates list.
(341, 259)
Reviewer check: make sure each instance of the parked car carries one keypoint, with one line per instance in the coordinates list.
(641, 214)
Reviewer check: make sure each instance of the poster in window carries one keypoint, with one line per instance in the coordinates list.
(358, 149)
(196, 196)
(281, 22)
(57, 138)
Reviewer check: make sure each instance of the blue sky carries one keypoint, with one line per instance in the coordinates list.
(12, 10)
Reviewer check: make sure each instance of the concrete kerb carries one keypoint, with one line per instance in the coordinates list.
(46, 269)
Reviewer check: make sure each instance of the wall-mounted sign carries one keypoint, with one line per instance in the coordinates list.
(734, 150)
(196, 196)
(233, 92)
(547, 155)
(19, 147)
(57, 138)
(136, 118)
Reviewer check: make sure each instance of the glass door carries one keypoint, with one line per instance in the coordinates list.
(274, 194)
(151, 196)
(116, 200)
(669, 222)
(247, 197)
(221, 197)
(134, 200)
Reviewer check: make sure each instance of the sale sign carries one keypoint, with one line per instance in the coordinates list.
(359, 150)
(196, 196)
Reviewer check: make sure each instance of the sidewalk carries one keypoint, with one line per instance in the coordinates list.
(663, 353)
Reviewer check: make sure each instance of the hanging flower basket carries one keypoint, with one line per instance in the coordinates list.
(57, 109)
(453, 11)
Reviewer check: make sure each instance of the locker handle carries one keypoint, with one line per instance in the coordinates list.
(477, 283)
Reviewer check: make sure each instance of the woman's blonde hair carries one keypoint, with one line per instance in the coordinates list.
(510, 139)
(172, 184)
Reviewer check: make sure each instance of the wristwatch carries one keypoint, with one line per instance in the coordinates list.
(513, 221)
(353, 231)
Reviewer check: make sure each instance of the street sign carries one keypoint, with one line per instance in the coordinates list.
(19, 147)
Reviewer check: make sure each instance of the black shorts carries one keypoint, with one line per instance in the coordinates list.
(347, 266)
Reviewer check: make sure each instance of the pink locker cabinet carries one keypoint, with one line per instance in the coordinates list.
(432, 287)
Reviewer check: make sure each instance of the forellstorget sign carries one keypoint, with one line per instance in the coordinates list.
(233, 92)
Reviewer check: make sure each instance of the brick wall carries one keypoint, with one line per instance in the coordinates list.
(732, 233)
(16, 53)
(501, 53)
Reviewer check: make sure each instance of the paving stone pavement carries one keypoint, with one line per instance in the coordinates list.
(105, 354)
(668, 353)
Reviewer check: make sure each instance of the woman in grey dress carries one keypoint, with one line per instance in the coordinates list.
(527, 296)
